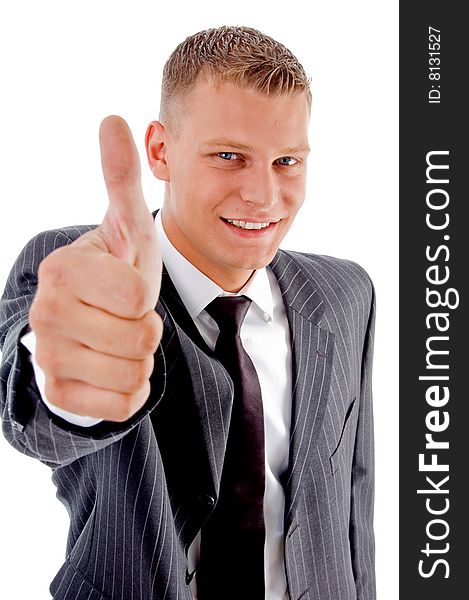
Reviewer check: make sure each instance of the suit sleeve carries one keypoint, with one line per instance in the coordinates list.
(362, 502)
(29, 340)
(27, 424)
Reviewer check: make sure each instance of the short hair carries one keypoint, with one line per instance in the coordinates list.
(239, 55)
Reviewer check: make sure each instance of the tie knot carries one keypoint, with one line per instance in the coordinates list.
(229, 312)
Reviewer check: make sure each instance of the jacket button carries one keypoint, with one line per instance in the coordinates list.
(17, 425)
(206, 501)
(189, 576)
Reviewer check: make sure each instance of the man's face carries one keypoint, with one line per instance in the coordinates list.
(238, 156)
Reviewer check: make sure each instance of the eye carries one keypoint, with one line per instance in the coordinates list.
(227, 155)
(287, 161)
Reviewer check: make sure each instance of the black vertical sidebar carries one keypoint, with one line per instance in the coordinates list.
(434, 318)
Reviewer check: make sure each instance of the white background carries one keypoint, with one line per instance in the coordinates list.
(65, 66)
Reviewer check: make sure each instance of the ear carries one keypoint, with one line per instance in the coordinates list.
(155, 143)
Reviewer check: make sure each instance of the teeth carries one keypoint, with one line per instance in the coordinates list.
(248, 224)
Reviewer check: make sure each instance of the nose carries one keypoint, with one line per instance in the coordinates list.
(260, 186)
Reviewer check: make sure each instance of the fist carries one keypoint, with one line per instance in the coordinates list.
(93, 314)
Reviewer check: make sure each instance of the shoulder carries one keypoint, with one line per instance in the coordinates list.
(51, 239)
(344, 286)
(332, 272)
(42, 244)
(60, 236)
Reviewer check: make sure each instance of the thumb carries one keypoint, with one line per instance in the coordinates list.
(128, 226)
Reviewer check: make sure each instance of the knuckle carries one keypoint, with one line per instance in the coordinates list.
(55, 392)
(42, 315)
(51, 270)
(136, 298)
(136, 375)
(148, 337)
(149, 366)
(125, 408)
(34, 316)
(47, 358)
(156, 325)
(129, 404)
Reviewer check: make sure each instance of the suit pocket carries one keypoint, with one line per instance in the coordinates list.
(334, 458)
(70, 583)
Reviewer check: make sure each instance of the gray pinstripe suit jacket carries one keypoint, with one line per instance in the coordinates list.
(138, 492)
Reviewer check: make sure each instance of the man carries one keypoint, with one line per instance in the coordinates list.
(196, 461)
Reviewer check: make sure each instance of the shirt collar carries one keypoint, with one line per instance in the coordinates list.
(197, 290)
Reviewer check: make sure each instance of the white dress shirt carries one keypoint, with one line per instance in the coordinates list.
(265, 335)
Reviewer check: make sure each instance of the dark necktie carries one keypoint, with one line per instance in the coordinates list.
(232, 541)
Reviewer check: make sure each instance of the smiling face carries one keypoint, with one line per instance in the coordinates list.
(236, 175)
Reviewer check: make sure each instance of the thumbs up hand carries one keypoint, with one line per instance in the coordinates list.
(93, 313)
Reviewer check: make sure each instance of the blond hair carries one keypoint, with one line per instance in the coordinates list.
(240, 55)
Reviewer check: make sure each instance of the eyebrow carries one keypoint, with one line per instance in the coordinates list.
(246, 148)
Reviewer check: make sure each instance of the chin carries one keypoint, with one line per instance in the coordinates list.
(252, 263)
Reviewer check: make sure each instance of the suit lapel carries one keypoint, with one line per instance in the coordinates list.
(312, 354)
(212, 389)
